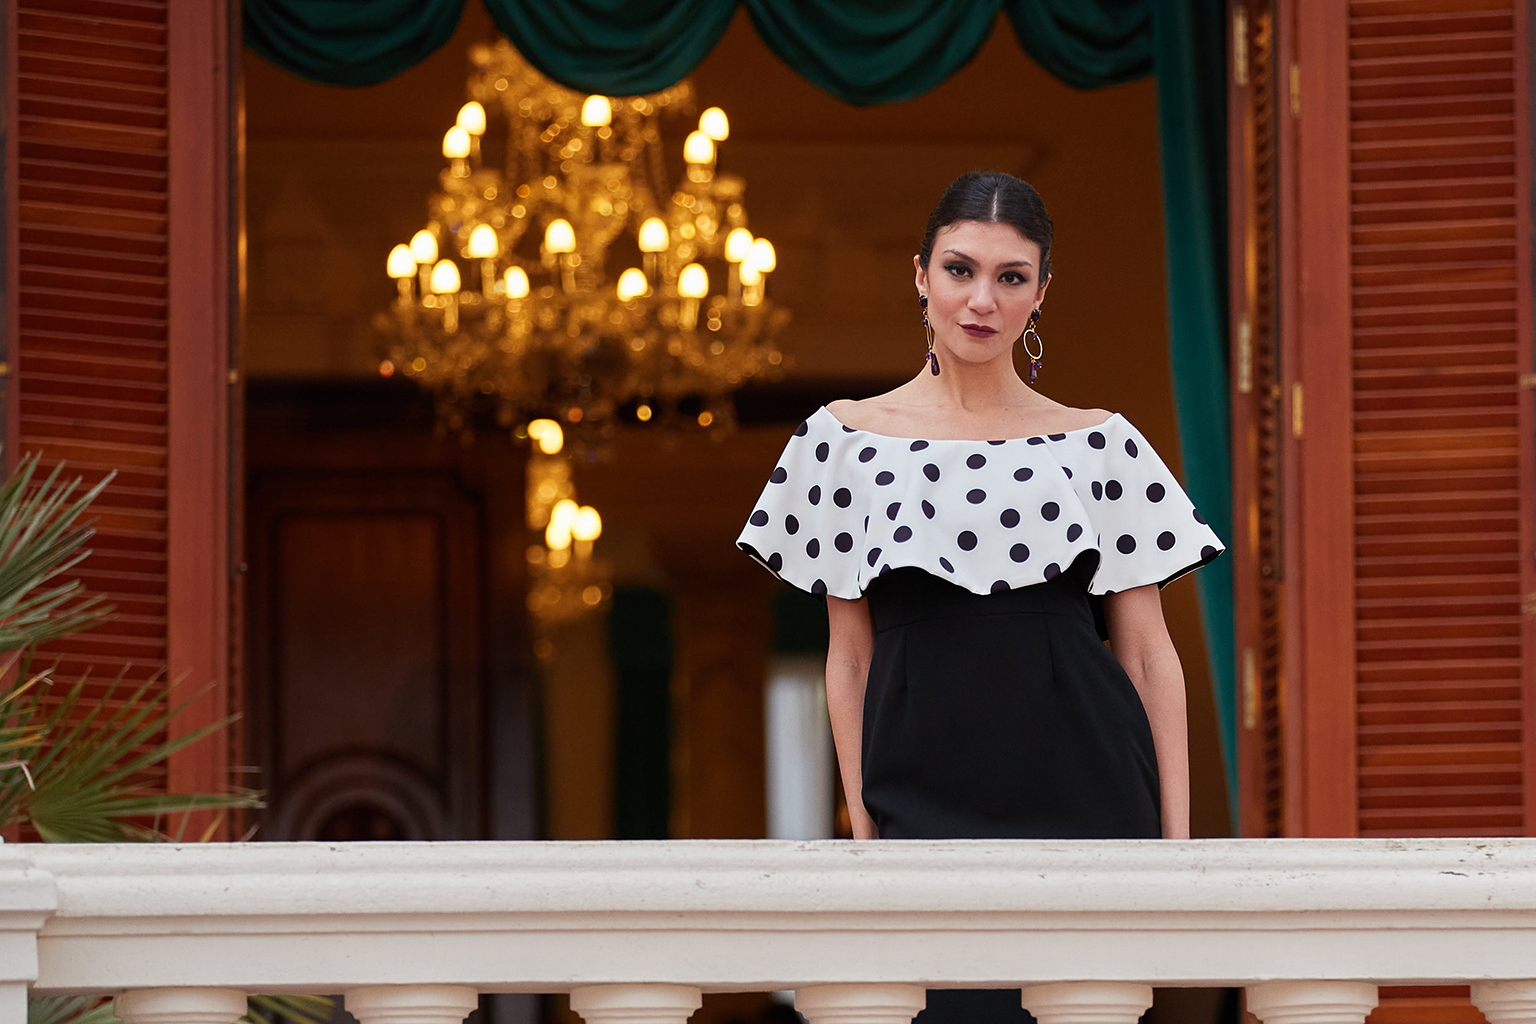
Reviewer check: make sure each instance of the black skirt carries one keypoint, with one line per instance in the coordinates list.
(1000, 716)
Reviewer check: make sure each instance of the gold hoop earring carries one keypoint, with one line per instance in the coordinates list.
(1037, 357)
(933, 360)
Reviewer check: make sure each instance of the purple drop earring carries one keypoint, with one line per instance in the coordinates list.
(1036, 358)
(933, 360)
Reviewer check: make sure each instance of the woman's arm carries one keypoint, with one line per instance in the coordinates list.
(1141, 642)
(852, 640)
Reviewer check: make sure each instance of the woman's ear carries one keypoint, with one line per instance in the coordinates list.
(922, 275)
(1040, 295)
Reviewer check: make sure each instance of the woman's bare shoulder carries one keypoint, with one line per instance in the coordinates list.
(877, 413)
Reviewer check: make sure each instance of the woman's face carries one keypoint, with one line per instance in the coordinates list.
(982, 283)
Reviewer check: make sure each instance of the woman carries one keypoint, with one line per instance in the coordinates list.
(975, 541)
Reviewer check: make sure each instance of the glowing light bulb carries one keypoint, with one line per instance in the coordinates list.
(738, 245)
(456, 143)
(471, 118)
(557, 535)
(559, 236)
(586, 524)
(401, 262)
(445, 278)
(653, 235)
(763, 256)
(516, 279)
(698, 149)
(482, 243)
(632, 284)
(424, 246)
(715, 124)
(750, 275)
(548, 434)
(693, 282)
(597, 112)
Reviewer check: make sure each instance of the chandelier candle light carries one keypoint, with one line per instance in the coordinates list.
(571, 282)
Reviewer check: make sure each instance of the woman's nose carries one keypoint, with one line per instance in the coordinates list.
(982, 299)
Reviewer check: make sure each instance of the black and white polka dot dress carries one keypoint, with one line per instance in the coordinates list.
(993, 709)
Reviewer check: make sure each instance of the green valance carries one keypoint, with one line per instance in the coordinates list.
(883, 51)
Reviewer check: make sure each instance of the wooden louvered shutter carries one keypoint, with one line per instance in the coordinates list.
(118, 325)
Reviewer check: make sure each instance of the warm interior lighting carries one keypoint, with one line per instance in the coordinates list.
(750, 275)
(653, 235)
(763, 256)
(738, 245)
(706, 418)
(643, 413)
(386, 369)
(559, 237)
(693, 282)
(548, 435)
(597, 112)
(698, 149)
(516, 279)
(401, 262)
(715, 124)
(587, 525)
(482, 243)
(557, 535)
(456, 143)
(471, 118)
(445, 278)
(424, 246)
(632, 284)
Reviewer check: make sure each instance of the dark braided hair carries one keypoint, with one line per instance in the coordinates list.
(996, 198)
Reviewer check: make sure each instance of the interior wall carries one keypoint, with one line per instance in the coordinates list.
(337, 176)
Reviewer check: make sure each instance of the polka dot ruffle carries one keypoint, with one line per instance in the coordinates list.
(988, 515)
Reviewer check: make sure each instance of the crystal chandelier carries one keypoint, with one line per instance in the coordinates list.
(565, 580)
(569, 284)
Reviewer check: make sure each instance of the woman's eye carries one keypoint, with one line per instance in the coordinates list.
(958, 269)
(1015, 279)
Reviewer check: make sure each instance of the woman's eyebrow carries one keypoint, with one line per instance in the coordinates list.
(1000, 266)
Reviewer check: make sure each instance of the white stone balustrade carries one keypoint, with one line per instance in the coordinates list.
(635, 932)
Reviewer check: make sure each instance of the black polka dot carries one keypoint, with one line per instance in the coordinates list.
(892, 509)
(884, 477)
(1052, 571)
(976, 496)
(945, 563)
(997, 442)
(927, 510)
(1126, 544)
(976, 461)
(1096, 440)
(1057, 437)
(1207, 553)
(779, 476)
(1098, 491)
(1037, 440)
(873, 556)
(842, 497)
(966, 540)
(814, 497)
(1165, 540)
(1073, 532)
(813, 547)
(843, 542)
(866, 454)
(819, 587)
(931, 471)
(1113, 490)
(802, 428)
(999, 586)
(759, 518)
(847, 429)
(1023, 474)
(903, 533)
(866, 524)
(1067, 471)
(918, 446)
(1198, 517)
(1009, 518)
(791, 525)
(775, 561)
(1049, 511)
(1019, 552)
(884, 569)
(822, 451)
(1155, 492)
(1130, 448)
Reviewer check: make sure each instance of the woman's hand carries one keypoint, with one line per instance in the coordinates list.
(848, 652)
(1141, 642)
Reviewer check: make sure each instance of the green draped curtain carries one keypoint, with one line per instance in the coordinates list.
(884, 51)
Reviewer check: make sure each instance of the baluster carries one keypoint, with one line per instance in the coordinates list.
(1312, 1002)
(1087, 1002)
(636, 1004)
(860, 1004)
(411, 1004)
(1506, 1002)
(181, 1006)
